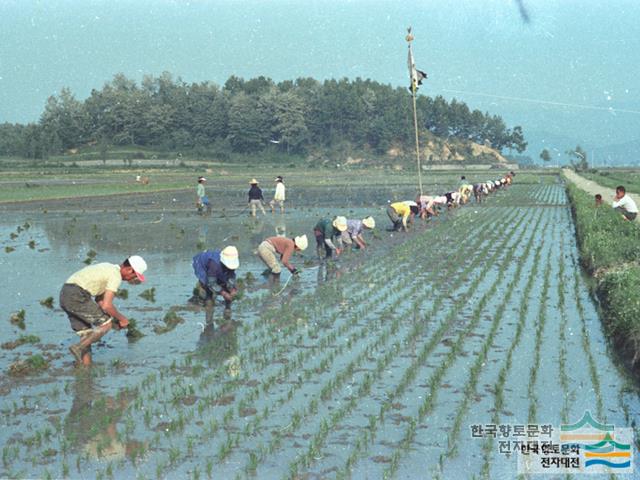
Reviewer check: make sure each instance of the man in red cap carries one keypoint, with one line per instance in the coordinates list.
(87, 298)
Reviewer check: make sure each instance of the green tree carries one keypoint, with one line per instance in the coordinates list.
(578, 159)
(545, 155)
(249, 125)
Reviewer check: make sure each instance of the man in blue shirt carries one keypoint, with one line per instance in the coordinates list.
(216, 273)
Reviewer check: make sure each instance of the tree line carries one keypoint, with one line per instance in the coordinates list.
(247, 116)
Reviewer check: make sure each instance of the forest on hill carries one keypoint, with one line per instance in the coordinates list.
(249, 116)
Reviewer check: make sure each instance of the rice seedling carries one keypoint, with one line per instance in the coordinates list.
(17, 319)
(47, 302)
(21, 340)
(149, 294)
(9, 249)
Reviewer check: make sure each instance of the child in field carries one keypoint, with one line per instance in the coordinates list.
(202, 202)
(598, 198)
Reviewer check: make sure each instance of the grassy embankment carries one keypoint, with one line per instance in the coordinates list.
(609, 250)
(612, 178)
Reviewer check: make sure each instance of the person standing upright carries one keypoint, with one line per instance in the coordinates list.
(202, 202)
(279, 196)
(255, 198)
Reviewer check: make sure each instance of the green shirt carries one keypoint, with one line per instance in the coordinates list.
(200, 190)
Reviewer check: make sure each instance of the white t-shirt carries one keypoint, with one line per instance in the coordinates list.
(97, 278)
(627, 204)
(279, 191)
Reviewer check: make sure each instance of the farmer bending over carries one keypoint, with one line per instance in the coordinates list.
(326, 231)
(624, 204)
(216, 273)
(283, 246)
(354, 231)
(87, 298)
(400, 212)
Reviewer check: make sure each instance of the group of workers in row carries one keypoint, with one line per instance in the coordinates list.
(425, 206)
(87, 296)
(255, 201)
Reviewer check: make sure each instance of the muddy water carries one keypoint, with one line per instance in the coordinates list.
(171, 404)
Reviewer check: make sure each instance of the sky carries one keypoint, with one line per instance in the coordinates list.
(571, 74)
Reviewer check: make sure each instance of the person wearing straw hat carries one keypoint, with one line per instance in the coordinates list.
(279, 196)
(87, 298)
(325, 232)
(354, 232)
(255, 197)
(216, 274)
(285, 247)
(202, 202)
(400, 212)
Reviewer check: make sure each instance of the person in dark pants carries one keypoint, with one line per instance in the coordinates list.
(87, 298)
(216, 273)
(326, 231)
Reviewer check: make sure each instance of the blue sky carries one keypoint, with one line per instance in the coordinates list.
(585, 54)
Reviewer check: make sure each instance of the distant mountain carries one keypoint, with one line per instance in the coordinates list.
(623, 154)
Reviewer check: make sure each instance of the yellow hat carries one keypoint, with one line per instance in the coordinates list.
(253, 182)
(369, 222)
(340, 223)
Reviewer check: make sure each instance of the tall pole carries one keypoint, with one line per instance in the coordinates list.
(413, 75)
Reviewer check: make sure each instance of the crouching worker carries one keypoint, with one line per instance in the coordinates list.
(354, 231)
(283, 246)
(624, 204)
(326, 232)
(216, 273)
(400, 212)
(87, 298)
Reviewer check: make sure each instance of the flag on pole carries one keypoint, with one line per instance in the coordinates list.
(416, 76)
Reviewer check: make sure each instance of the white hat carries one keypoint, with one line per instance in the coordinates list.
(369, 222)
(301, 242)
(229, 257)
(202, 179)
(340, 223)
(139, 266)
(410, 203)
(253, 182)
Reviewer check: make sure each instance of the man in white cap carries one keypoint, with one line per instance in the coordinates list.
(355, 230)
(216, 273)
(285, 247)
(279, 195)
(325, 232)
(87, 298)
(428, 204)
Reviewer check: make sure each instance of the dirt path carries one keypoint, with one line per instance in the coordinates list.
(593, 188)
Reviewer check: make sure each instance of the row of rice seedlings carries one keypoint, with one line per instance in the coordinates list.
(562, 356)
(434, 381)
(502, 375)
(540, 324)
(470, 388)
(586, 344)
(331, 385)
(409, 374)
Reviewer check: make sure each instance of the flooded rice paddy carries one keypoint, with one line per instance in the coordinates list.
(375, 365)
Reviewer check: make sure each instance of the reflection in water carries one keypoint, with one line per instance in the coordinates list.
(90, 426)
(220, 345)
(328, 271)
(280, 226)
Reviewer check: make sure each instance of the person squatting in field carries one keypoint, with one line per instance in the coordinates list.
(624, 204)
(354, 232)
(255, 198)
(279, 195)
(216, 274)
(87, 298)
(285, 247)
(326, 232)
(402, 212)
